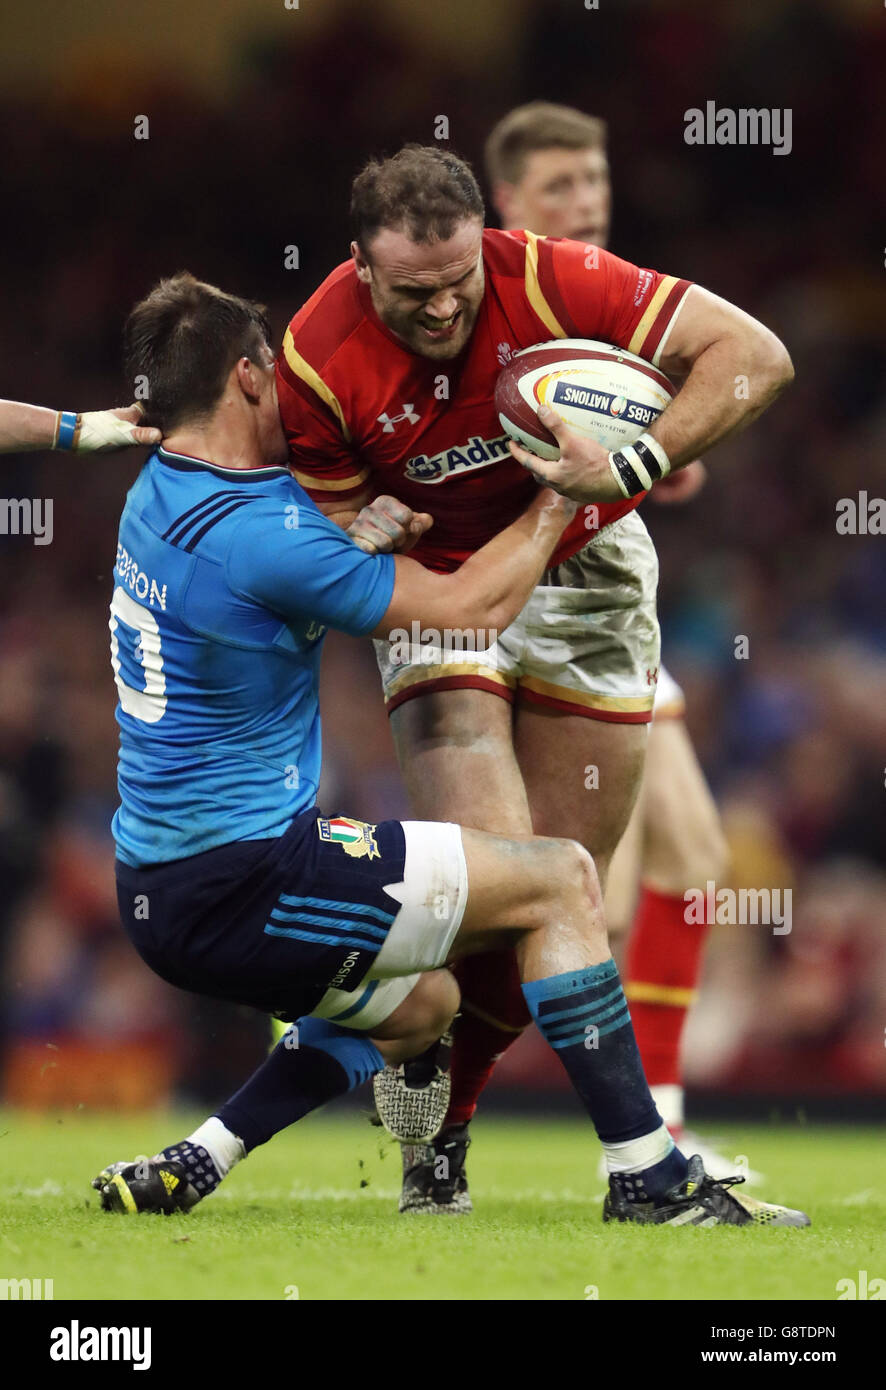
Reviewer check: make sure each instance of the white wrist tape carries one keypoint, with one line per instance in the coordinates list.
(94, 429)
(637, 466)
(101, 429)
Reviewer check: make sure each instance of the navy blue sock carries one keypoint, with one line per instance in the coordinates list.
(654, 1182)
(327, 1062)
(583, 1014)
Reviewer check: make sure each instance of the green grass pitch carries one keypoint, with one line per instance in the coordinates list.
(313, 1215)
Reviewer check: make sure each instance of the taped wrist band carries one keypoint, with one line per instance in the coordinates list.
(637, 466)
(66, 428)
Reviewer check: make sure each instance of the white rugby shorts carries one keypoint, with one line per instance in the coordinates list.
(587, 642)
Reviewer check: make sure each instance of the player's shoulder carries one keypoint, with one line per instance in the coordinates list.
(195, 505)
(504, 253)
(328, 319)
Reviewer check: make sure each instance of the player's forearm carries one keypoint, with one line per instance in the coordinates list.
(731, 381)
(345, 514)
(488, 591)
(493, 584)
(24, 427)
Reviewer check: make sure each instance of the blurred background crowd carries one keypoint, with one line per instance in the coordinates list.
(258, 117)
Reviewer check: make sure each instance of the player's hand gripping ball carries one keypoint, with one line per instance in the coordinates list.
(569, 404)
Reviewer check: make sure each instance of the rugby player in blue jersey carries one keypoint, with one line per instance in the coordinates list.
(231, 882)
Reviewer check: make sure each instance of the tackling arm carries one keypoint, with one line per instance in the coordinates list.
(490, 588)
(25, 427)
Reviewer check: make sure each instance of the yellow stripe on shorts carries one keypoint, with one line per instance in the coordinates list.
(617, 704)
(414, 675)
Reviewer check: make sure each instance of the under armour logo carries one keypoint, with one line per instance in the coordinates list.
(388, 422)
(505, 353)
(652, 676)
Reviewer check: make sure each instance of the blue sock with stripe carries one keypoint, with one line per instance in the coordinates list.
(312, 1063)
(584, 1016)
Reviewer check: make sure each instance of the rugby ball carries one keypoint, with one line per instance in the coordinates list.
(600, 391)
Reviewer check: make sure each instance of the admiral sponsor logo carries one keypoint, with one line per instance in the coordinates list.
(603, 403)
(477, 453)
(76, 1343)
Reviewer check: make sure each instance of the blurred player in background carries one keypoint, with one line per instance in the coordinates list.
(547, 169)
(386, 382)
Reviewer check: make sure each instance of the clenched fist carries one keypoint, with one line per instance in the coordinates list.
(388, 525)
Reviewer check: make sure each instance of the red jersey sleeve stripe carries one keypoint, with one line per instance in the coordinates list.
(318, 489)
(302, 371)
(649, 336)
(550, 287)
(537, 295)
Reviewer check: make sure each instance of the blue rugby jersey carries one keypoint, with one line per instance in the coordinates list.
(225, 583)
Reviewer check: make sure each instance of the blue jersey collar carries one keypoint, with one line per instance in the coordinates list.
(186, 463)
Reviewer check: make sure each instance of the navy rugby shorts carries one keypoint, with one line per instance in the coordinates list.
(335, 917)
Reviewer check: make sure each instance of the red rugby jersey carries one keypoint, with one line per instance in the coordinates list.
(362, 410)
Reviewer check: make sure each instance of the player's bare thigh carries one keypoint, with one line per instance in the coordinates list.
(582, 776)
(683, 843)
(456, 754)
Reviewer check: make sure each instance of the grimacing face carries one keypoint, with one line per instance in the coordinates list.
(561, 192)
(427, 293)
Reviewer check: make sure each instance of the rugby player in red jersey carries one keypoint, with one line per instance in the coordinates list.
(547, 169)
(385, 384)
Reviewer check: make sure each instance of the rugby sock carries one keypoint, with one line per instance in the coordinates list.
(493, 1015)
(198, 1163)
(224, 1148)
(323, 1061)
(662, 969)
(584, 1016)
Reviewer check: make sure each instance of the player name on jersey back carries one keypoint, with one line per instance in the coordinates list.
(217, 619)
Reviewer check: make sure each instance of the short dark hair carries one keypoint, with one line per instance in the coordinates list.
(539, 125)
(184, 338)
(424, 190)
